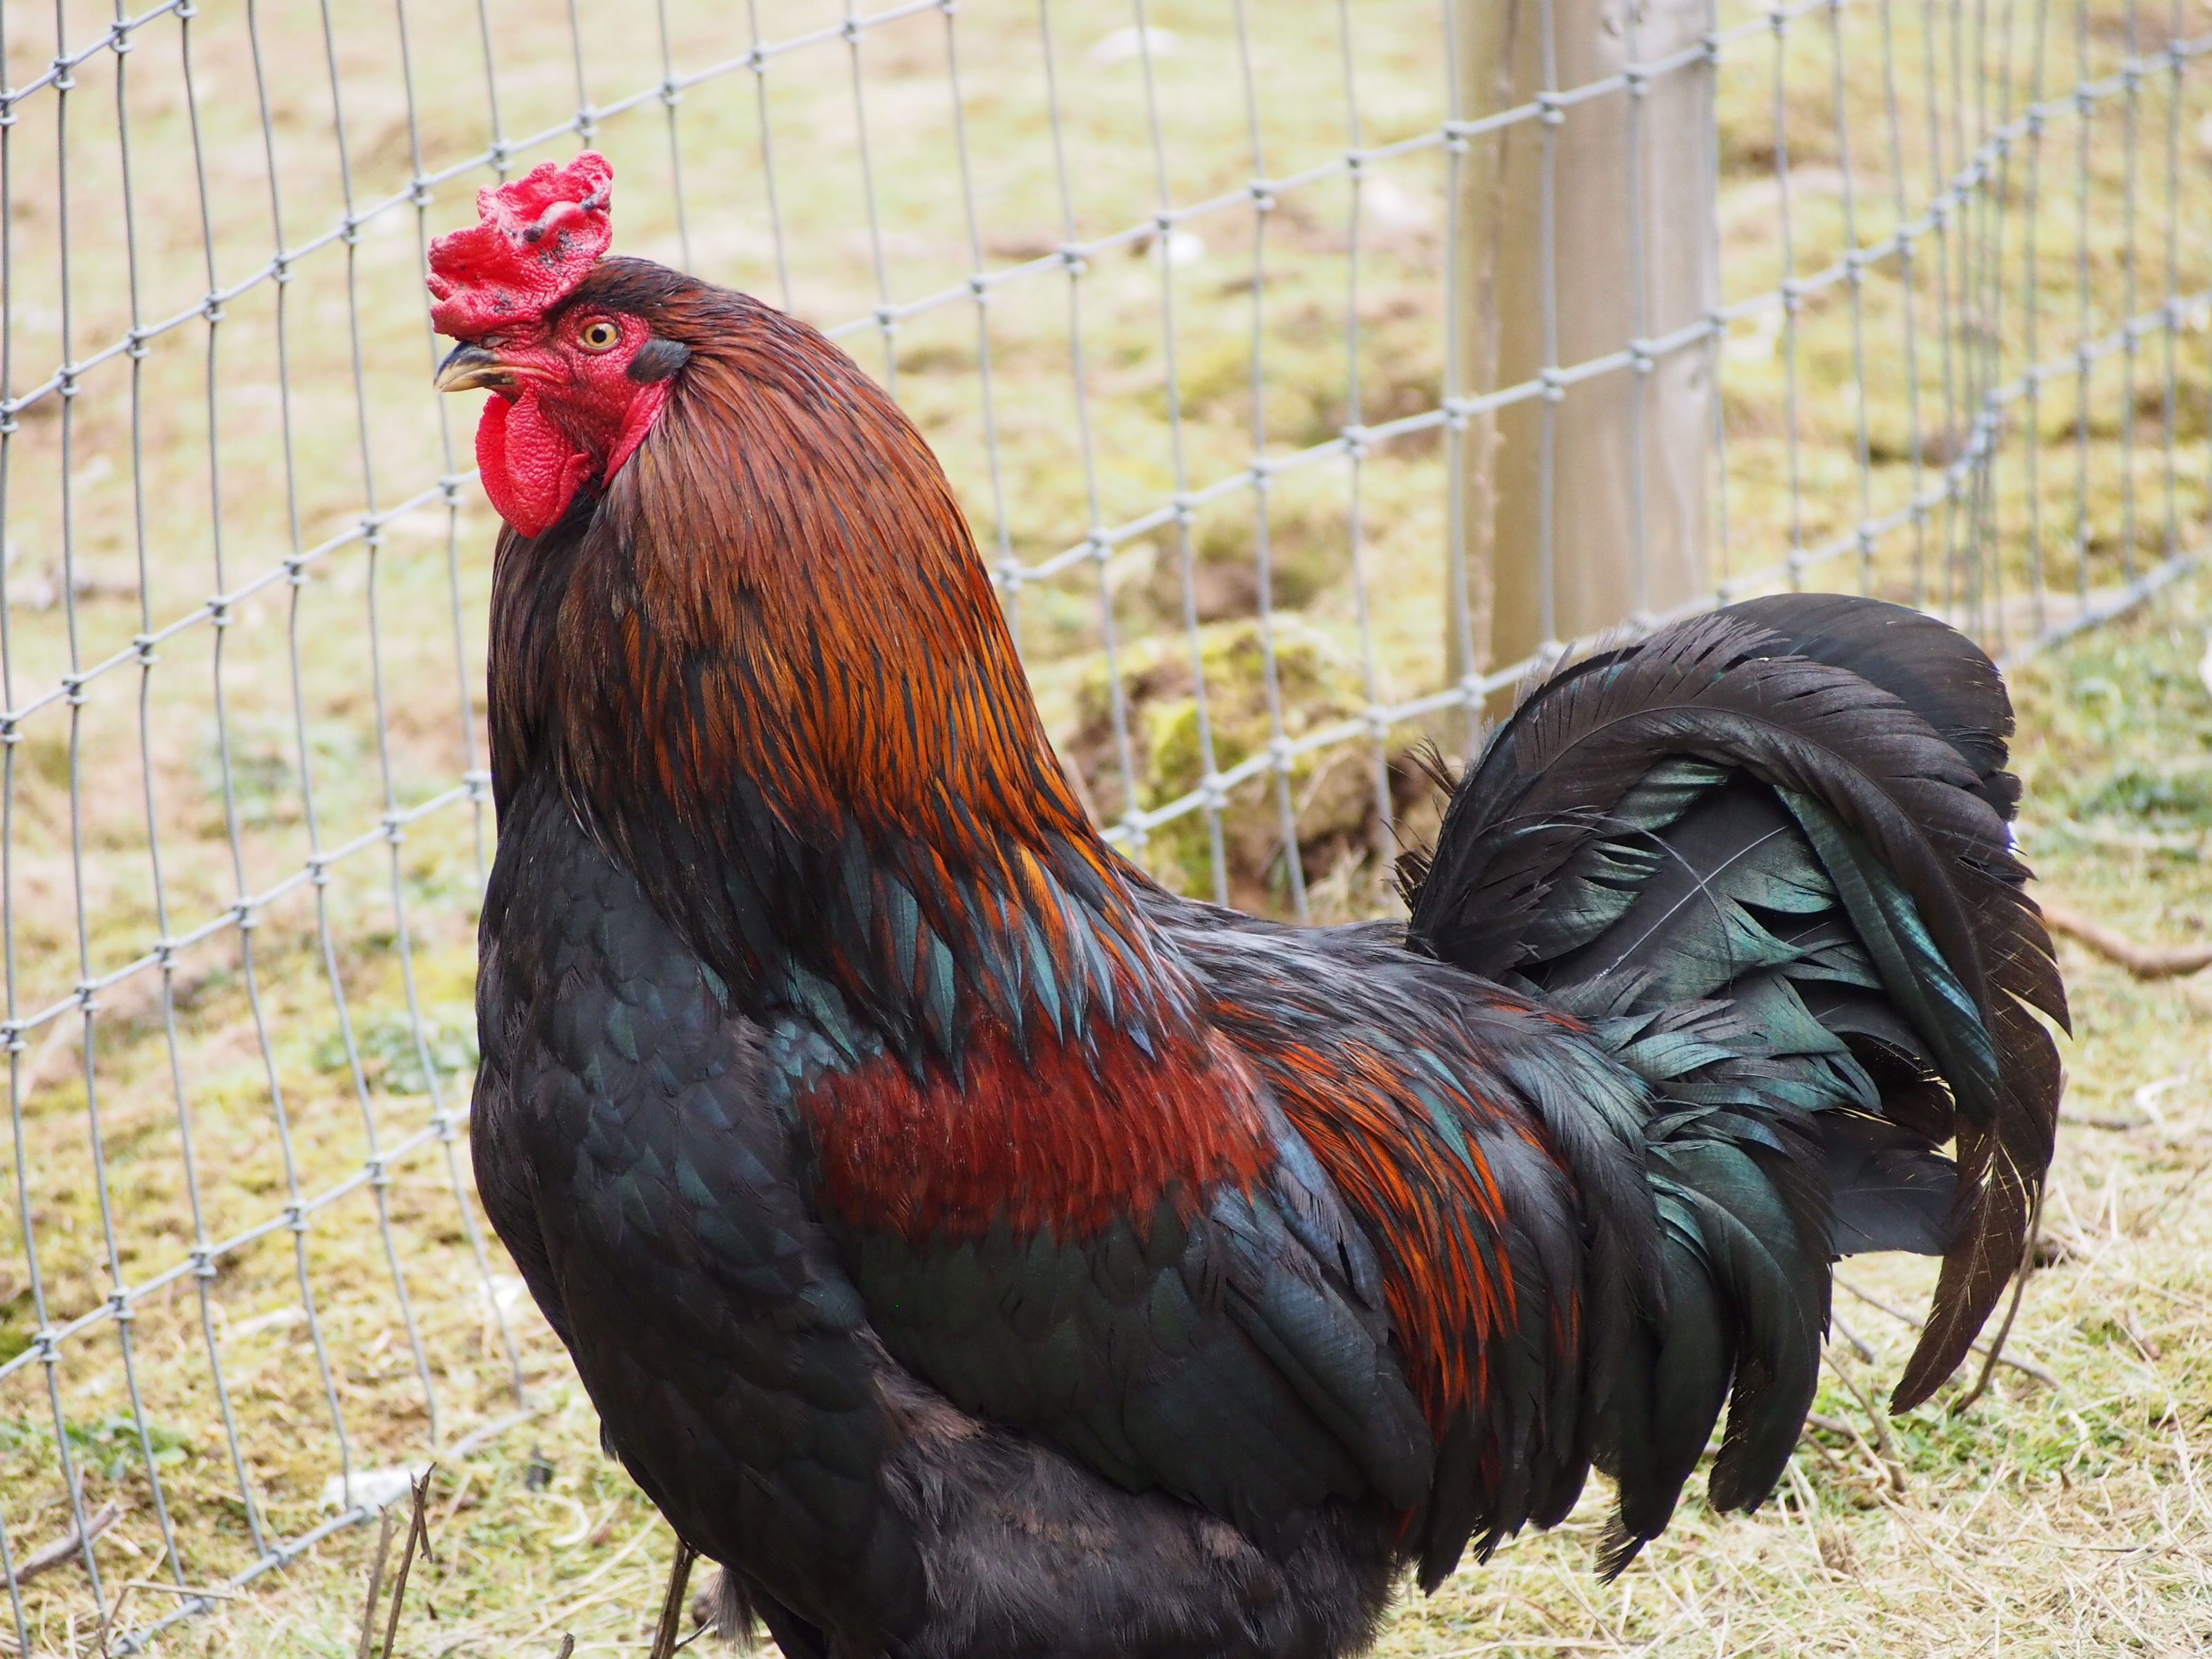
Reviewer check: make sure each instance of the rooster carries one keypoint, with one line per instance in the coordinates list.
(981, 1251)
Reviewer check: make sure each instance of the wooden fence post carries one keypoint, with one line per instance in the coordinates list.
(1576, 233)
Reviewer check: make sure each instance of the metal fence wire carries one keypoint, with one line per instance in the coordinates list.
(1307, 371)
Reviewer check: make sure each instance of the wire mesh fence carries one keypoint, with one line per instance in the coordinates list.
(1306, 371)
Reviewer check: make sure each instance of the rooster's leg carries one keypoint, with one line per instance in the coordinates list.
(672, 1608)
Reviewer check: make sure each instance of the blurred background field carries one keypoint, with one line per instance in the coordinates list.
(244, 835)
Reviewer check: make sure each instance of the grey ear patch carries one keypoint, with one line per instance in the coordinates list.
(658, 359)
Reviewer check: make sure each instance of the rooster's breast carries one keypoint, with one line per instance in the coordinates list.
(628, 1159)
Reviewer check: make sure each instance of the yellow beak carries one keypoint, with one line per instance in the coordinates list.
(471, 368)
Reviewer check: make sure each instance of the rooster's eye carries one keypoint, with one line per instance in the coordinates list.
(598, 336)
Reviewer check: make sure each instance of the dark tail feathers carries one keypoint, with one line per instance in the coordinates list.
(1762, 855)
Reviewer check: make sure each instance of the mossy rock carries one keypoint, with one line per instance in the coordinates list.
(1332, 789)
(1309, 550)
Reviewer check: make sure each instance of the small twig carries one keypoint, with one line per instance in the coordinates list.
(2150, 1349)
(1833, 1426)
(2012, 1309)
(111, 1618)
(375, 1585)
(1874, 1302)
(1865, 1353)
(63, 1548)
(187, 1592)
(1850, 1431)
(671, 1609)
(2111, 1125)
(2143, 1283)
(1889, 1454)
(2143, 961)
(417, 1530)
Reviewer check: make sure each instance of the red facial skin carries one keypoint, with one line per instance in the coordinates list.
(574, 413)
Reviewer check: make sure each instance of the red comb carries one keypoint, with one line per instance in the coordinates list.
(540, 234)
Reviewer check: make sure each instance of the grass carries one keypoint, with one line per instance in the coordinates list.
(341, 710)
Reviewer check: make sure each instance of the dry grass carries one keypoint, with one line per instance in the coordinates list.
(2058, 1519)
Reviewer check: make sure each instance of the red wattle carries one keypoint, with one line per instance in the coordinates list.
(531, 469)
(644, 410)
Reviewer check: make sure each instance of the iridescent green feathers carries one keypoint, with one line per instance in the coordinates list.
(1764, 854)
